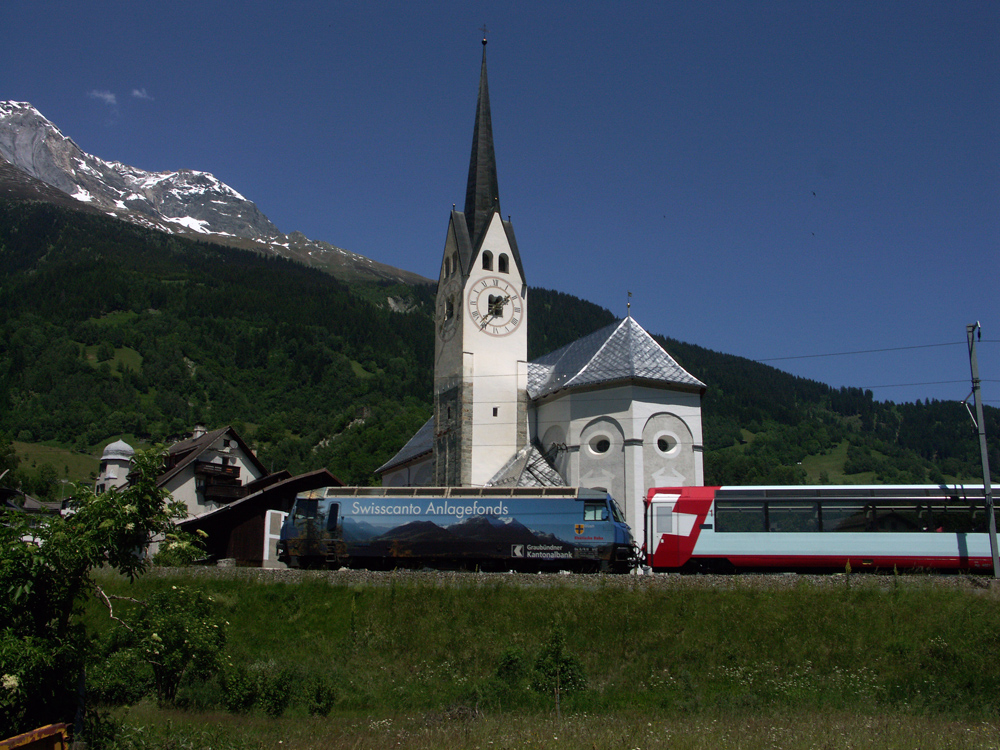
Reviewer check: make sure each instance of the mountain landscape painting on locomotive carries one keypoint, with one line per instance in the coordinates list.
(528, 529)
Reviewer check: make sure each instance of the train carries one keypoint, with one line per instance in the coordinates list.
(488, 528)
(818, 528)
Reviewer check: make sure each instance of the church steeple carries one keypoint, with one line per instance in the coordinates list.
(482, 195)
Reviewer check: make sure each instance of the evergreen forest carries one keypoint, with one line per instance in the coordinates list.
(108, 330)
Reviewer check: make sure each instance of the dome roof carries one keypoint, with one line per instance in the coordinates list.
(119, 450)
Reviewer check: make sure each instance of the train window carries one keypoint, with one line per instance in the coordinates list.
(792, 516)
(306, 508)
(903, 516)
(331, 519)
(843, 515)
(739, 515)
(594, 512)
(664, 519)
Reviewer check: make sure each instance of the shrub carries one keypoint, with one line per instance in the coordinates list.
(275, 691)
(179, 635)
(239, 689)
(321, 695)
(555, 669)
(120, 679)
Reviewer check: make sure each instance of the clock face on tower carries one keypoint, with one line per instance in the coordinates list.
(495, 307)
(446, 316)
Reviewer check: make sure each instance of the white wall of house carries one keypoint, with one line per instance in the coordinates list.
(186, 485)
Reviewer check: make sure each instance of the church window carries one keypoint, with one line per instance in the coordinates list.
(667, 443)
(487, 261)
(454, 262)
(495, 410)
(447, 267)
(600, 444)
(449, 311)
(503, 264)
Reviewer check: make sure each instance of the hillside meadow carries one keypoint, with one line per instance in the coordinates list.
(358, 659)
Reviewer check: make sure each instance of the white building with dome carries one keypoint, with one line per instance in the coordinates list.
(115, 464)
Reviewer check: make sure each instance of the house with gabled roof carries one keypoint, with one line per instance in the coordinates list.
(612, 411)
(210, 469)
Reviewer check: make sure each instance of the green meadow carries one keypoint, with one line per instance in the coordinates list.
(355, 659)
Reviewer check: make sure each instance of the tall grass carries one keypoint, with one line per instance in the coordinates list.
(393, 644)
(381, 651)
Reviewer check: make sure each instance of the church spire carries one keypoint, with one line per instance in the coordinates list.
(482, 196)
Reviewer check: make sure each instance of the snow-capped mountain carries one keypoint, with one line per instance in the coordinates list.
(184, 202)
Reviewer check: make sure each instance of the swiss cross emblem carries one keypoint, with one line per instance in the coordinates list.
(579, 528)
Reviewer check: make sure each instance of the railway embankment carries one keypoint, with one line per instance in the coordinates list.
(860, 581)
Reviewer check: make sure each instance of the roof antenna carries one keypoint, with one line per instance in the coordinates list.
(628, 307)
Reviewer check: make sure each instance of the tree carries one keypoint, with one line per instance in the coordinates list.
(46, 566)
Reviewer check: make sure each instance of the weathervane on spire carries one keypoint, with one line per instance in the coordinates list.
(483, 29)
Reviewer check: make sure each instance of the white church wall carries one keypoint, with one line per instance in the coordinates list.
(417, 474)
(602, 456)
(629, 417)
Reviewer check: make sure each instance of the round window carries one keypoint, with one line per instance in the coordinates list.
(600, 444)
(666, 443)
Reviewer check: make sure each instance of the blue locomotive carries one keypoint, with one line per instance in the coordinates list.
(488, 528)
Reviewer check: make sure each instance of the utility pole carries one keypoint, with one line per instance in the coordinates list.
(972, 332)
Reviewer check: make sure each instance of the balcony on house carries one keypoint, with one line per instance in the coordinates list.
(219, 482)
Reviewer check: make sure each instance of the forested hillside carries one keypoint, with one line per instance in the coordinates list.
(109, 330)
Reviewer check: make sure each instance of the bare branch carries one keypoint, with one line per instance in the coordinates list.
(106, 598)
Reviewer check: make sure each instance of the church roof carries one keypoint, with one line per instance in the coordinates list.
(621, 352)
(482, 193)
(418, 446)
(527, 468)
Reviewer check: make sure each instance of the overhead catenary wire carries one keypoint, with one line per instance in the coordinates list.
(861, 351)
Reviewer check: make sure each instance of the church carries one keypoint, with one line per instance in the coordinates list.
(611, 411)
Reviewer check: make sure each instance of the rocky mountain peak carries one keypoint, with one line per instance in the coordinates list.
(184, 201)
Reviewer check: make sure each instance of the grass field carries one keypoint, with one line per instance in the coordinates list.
(70, 465)
(446, 660)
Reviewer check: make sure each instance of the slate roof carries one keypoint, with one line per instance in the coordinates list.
(527, 468)
(482, 196)
(419, 445)
(621, 352)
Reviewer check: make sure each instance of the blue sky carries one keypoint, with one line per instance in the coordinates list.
(772, 179)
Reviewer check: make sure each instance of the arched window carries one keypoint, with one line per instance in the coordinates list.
(449, 309)
(454, 262)
(503, 264)
(447, 267)
(487, 260)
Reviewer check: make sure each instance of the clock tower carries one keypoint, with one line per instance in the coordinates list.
(481, 339)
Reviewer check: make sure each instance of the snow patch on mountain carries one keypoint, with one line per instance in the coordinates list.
(184, 201)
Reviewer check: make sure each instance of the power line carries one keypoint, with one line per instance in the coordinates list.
(932, 382)
(862, 351)
(876, 351)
